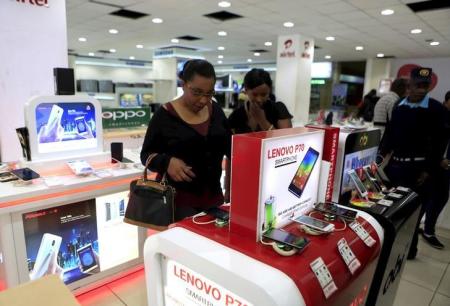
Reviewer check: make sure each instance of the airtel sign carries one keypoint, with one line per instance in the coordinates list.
(35, 2)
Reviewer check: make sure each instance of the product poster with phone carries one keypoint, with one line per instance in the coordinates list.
(65, 126)
(289, 177)
(354, 161)
(75, 241)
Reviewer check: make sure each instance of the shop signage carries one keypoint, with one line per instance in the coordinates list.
(35, 2)
(125, 117)
(184, 286)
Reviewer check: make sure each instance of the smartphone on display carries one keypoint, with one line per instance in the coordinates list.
(218, 213)
(333, 209)
(25, 174)
(55, 115)
(81, 125)
(314, 223)
(284, 237)
(86, 255)
(7, 177)
(49, 245)
(303, 173)
(362, 190)
(80, 167)
(372, 179)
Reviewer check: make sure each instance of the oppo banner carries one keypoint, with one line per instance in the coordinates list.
(113, 118)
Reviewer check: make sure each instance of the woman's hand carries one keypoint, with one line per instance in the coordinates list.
(179, 171)
(257, 113)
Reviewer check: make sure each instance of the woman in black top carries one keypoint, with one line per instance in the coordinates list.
(259, 113)
(190, 136)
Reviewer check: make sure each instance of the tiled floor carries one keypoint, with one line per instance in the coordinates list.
(425, 281)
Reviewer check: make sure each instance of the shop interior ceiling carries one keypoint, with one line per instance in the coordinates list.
(352, 22)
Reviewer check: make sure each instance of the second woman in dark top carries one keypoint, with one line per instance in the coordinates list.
(190, 136)
(259, 113)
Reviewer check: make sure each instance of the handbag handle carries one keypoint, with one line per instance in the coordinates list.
(147, 164)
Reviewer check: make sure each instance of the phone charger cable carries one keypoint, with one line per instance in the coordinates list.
(199, 222)
(280, 250)
(343, 228)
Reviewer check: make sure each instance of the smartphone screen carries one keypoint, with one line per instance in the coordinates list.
(219, 213)
(81, 125)
(87, 258)
(358, 184)
(286, 238)
(336, 210)
(372, 179)
(303, 173)
(314, 223)
(25, 174)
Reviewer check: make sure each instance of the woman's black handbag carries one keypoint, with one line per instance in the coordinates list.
(151, 202)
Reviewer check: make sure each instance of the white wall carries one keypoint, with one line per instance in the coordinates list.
(440, 66)
(116, 74)
(33, 40)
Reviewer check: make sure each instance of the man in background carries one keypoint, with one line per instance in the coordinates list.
(416, 138)
(384, 106)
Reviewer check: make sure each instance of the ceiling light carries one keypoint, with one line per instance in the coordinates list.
(380, 55)
(359, 48)
(157, 20)
(256, 54)
(416, 31)
(175, 40)
(219, 62)
(288, 24)
(82, 39)
(139, 46)
(224, 4)
(268, 43)
(222, 33)
(387, 12)
(327, 56)
(220, 56)
(113, 31)
(435, 43)
(330, 38)
(249, 60)
(131, 57)
(112, 50)
(220, 48)
(91, 54)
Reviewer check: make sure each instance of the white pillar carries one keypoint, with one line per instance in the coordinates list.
(295, 54)
(165, 76)
(377, 69)
(33, 41)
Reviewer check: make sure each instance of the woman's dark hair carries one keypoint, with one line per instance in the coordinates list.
(399, 86)
(257, 77)
(447, 96)
(199, 67)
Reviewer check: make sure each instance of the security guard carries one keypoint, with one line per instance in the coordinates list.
(416, 138)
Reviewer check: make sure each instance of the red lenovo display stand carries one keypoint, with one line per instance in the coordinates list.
(275, 176)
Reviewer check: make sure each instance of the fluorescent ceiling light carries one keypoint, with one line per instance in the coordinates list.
(387, 12)
(268, 43)
(220, 48)
(435, 43)
(416, 31)
(91, 54)
(256, 54)
(175, 40)
(220, 56)
(222, 33)
(139, 46)
(113, 31)
(249, 60)
(131, 57)
(112, 50)
(157, 20)
(380, 55)
(330, 38)
(82, 39)
(288, 24)
(327, 56)
(359, 48)
(219, 62)
(224, 4)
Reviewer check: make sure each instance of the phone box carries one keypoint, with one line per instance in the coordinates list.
(329, 157)
(274, 176)
(46, 291)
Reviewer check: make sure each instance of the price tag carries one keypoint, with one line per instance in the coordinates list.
(324, 277)
(362, 233)
(349, 257)
(402, 189)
